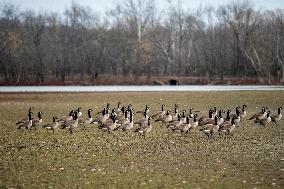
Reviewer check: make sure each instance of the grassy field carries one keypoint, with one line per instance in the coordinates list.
(90, 158)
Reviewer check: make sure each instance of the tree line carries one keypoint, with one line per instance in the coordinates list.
(134, 38)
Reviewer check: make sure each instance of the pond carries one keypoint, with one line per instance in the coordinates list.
(124, 88)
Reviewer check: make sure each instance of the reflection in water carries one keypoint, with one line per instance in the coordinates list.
(138, 88)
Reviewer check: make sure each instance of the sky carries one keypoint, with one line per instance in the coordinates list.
(100, 6)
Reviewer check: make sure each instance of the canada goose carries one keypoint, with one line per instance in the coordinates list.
(72, 124)
(118, 110)
(210, 129)
(259, 115)
(194, 123)
(175, 114)
(221, 119)
(166, 118)
(129, 125)
(88, 120)
(111, 126)
(28, 124)
(244, 112)
(124, 119)
(129, 107)
(25, 119)
(190, 114)
(142, 121)
(79, 113)
(214, 112)
(228, 117)
(277, 118)
(183, 117)
(147, 109)
(105, 110)
(201, 119)
(51, 126)
(67, 118)
(37, 121)
(264, 121)
(184, 127)
(159, 113)
(100, 119)
(205, 120)
(237, 115)
(66, 124)
(227, 128)
(173, 124)
(145, 129)
(234, 114)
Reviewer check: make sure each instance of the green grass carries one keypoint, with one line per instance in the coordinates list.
(252, 158)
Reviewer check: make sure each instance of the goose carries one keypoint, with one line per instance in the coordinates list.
(166, 118)
(201, 119)
(72, 124)
(101, 118)
(88, 120)
(175, 114)
(228, 117)
(28, 124)
(214, 112)
(237, 115)
(277, 118)
(210, 129)
(118, 110)
(221, 119)
(51, 126)
(228, 127)
(244, 112)
(194, 123)
(142, 121)
(183, 117)
(190, 114)
(79, 113)
(205, 120)
(129, 125)
(66, 124)
(159, 113)
(25, 119)
(174, 124)
(37, 121)
(184, 127)
(67, 118)
(145, 129)
(105, 110)
(125, 119)
(147, 109)
(108, 121)
(111, 126)
(265, 120)
(121, 114)
(259, 115)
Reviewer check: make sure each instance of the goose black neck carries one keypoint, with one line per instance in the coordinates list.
(39, 115)
(131, 117)
(30, 117)
(233, 121)
(220, 113)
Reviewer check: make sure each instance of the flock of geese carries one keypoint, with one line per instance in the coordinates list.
(122, 118)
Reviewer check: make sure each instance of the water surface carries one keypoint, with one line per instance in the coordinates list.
(125, 88)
